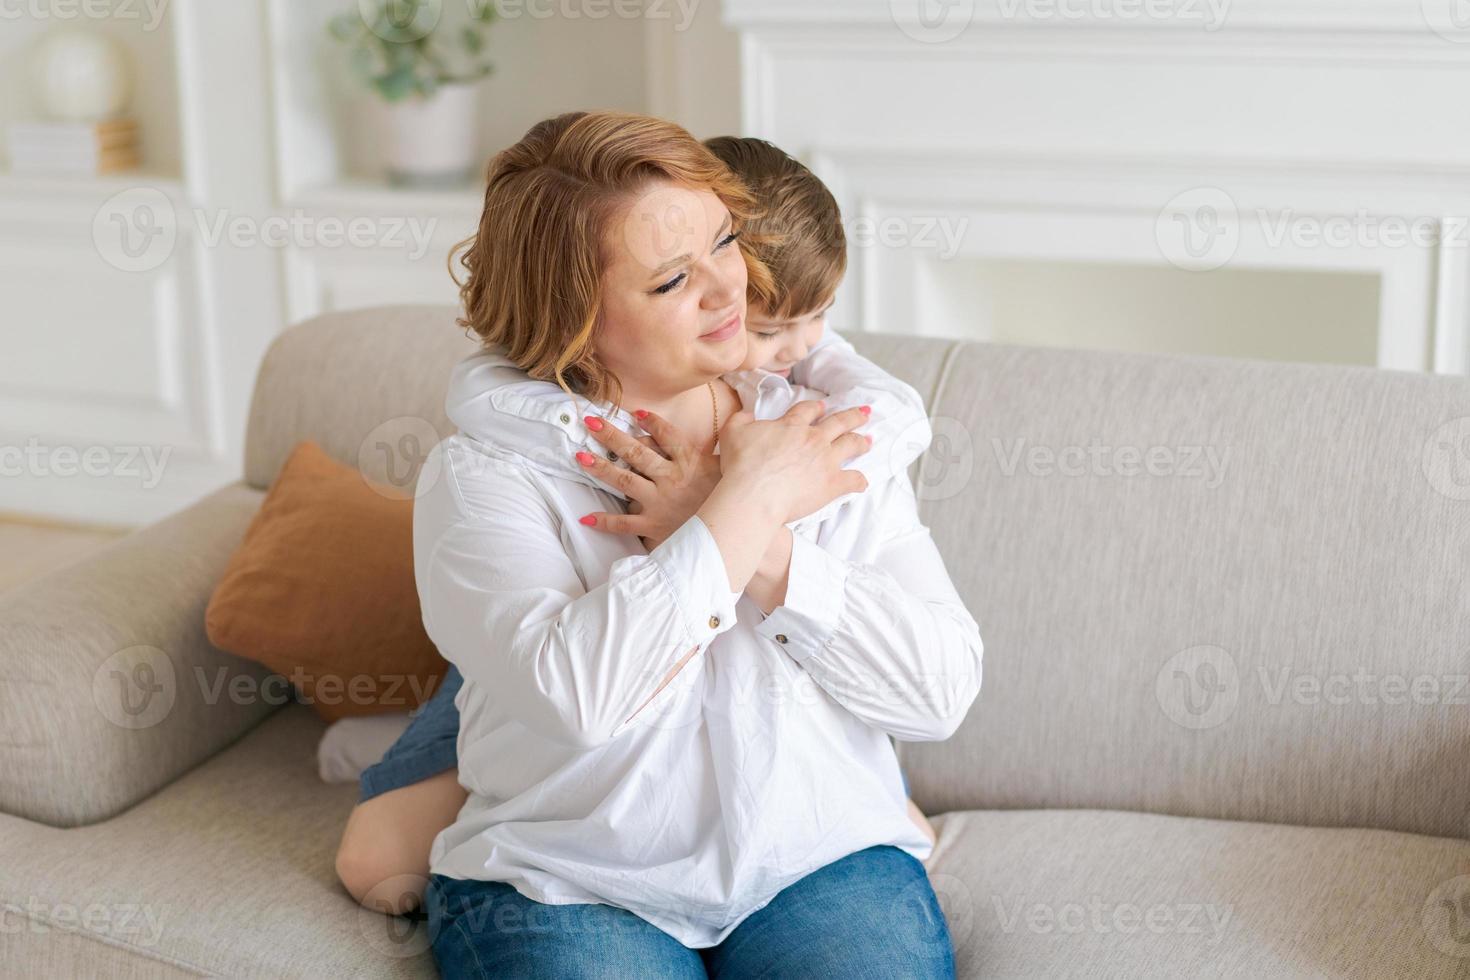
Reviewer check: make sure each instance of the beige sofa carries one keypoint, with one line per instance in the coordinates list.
(1224, 729)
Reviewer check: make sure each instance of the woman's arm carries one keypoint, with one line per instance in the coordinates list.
(503, 602)
(890, 640)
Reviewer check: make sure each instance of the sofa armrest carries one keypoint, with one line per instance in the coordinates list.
(109, 688)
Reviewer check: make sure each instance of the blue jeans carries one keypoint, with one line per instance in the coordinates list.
(429, 745)
(870, 914)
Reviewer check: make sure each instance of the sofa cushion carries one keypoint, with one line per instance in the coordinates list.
(229, 871)
(1089, 893)
(226, 872)
(109, 688)
(322, 592)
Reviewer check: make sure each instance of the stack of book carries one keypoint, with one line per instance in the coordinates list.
(84, 148)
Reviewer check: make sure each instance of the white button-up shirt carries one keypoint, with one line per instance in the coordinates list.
(768, 755)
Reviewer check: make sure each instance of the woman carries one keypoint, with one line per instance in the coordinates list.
(676, 748)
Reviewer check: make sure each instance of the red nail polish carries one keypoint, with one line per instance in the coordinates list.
(866, 409)
(585, 458)
(595, 424)
(642, 413)
(590, 520)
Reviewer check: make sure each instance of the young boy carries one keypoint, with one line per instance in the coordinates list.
(414, 792)
(799, 236)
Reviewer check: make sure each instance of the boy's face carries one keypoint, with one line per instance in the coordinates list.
(777, 345)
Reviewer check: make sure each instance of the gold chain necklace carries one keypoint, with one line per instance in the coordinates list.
(714, 405)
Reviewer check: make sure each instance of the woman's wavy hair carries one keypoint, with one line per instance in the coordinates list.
(535, 265)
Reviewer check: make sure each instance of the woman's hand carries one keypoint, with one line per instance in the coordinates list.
(668, 482)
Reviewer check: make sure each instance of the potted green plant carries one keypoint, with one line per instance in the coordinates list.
(426, 74)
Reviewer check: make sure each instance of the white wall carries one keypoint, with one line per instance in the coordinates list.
(694, 69)
(1046, 142)
(248, 115)
(1052, 150)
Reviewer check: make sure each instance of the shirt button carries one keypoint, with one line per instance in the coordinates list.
(780, 637)
(612, 456)
(714, 622)
(565, 418)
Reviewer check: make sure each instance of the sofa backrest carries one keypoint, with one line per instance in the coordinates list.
(1206, 587)
(367, 385)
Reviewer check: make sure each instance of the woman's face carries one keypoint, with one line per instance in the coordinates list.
(673, 292)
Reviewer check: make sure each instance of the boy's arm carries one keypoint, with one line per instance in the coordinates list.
(899, 423)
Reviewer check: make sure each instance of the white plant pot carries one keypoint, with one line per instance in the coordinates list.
(433, 141)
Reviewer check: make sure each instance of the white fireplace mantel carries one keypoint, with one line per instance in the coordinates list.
(1085, 131)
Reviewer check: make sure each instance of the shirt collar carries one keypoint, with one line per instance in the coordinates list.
(763, 393)
(488, 392)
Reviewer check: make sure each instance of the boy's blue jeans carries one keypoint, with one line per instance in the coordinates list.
(870, 914)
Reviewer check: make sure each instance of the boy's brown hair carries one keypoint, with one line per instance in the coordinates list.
(535, 265)
(797, 233)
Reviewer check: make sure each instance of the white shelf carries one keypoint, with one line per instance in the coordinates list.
(152, 63)
(83, 185)
(363, 196)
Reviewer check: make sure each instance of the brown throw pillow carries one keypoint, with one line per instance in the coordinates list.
(321, 591)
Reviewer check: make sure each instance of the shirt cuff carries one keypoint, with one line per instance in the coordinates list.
(694, 569)
(816, 593)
